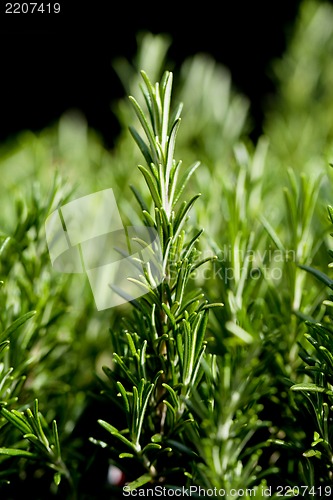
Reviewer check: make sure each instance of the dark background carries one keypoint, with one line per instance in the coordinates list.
(50, 63)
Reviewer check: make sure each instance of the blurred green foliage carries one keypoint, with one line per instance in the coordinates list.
(262, 410)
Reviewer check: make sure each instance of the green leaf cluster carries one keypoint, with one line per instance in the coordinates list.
(220, 376)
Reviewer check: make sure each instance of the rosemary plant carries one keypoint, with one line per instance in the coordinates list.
(157, 364)
(193, 393)
(27, 355)
(316, 390)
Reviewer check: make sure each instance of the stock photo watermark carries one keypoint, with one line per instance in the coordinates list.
(258, 492)
(87, 236)
(232, 264)
(123, 263)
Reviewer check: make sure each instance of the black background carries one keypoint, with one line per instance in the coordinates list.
(50, 63)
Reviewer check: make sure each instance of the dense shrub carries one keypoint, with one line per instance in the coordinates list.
(221, 376)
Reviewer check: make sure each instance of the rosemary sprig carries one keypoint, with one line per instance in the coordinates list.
(165, 338)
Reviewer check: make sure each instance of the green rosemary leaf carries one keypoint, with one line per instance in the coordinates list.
(308, 387)
(4, 344)
(16, 324)
(146, 478)
(158, 105)
(57, 478)
(124, 396)
(37, 418)
(167, 228)
(139, 198)
(142, 145)
(148, 131)
(146, 288)
(123, 366)
(135, 410)
(272, 233)
(171, 149)
(145, 399)
(327, 356)
(112, 430)
(197, 298)
(153, 322)
(165, 80)
(239, 332)
(318, 274)
(182, 281)
(170, 315)
(174, 397)
(37, 443)
(159, 226)
(147, 99)
(13, 452)
(200, 333)
(131, 343)
(189, 246)
(151, 185)
(312, 453)
(33, 423)
(151, 446)
(156, 377)
(330, 213)
(17, 419)
(141, 388)
(153, 103)
(180, 349)
(170, 407)
(157, 438)
(196, 366)
(182, 184)
(126, 455)
(176, 114)
(202, 262)
(149, 220)
(166, 99)
(212, 305)
(183, 211)
(143, 355)
(4, 245)
(189, 349)
(56, 440)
